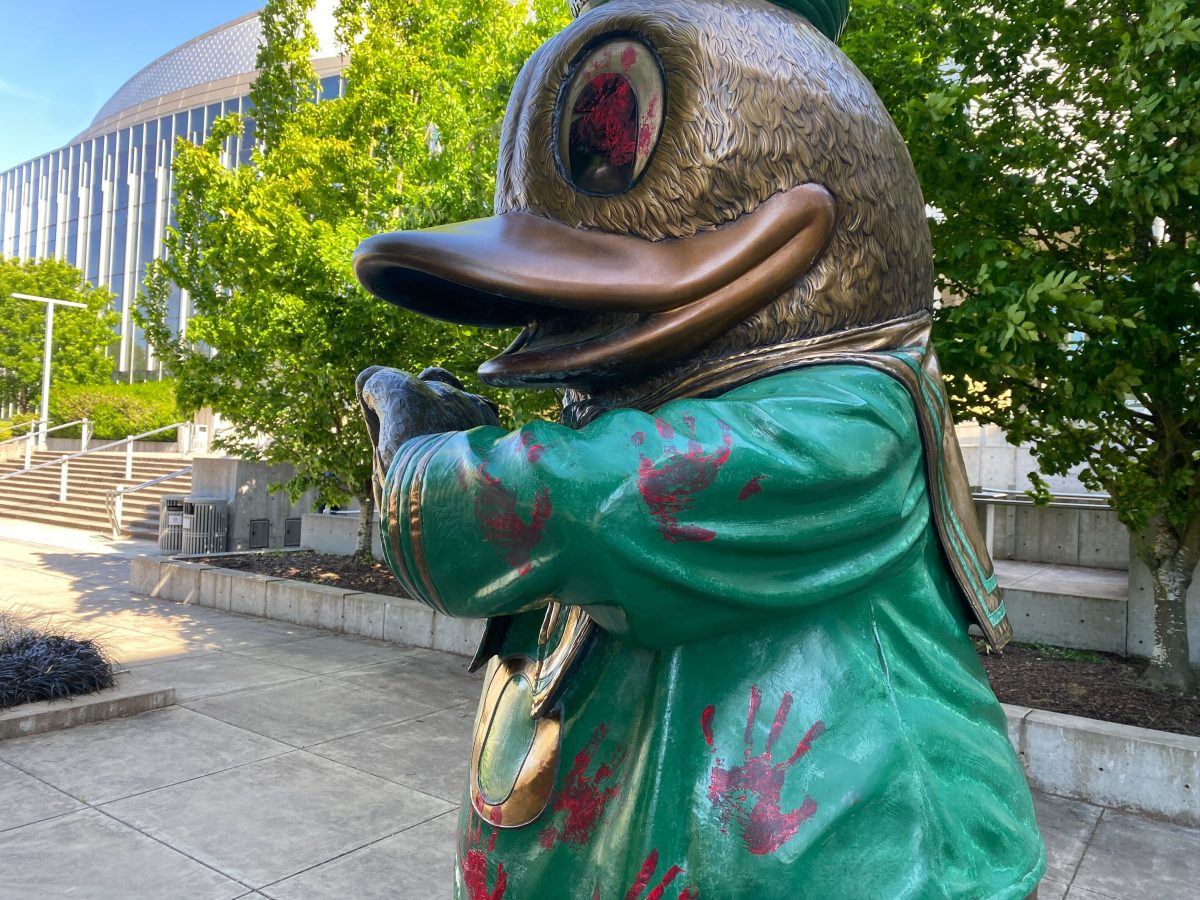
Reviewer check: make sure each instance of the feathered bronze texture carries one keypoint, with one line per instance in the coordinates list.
(757, 101)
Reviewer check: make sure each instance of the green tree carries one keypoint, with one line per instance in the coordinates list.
(1060, 146)
(81, 336)
(281, 328)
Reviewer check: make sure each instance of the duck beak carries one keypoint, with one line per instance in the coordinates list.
(597, 308)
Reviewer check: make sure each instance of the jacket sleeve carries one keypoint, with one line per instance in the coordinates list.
(705, 517)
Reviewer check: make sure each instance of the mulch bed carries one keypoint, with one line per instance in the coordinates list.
(1078, 683)
(1083, 683)
(319, 568)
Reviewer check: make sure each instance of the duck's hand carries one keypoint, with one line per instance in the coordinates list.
(398, 406)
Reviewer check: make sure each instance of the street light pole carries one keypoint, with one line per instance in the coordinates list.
(47, 351)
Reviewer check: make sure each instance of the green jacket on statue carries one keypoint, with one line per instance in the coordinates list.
(780, 691)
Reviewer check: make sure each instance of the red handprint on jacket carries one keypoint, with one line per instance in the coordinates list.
(749, 793)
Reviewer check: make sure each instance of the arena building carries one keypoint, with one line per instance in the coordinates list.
(103, 202)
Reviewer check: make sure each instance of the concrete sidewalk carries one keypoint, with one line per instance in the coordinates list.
(301, 764)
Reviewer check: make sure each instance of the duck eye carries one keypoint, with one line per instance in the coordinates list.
(609, 116)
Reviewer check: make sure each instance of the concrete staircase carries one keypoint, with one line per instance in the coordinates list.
(34, 495)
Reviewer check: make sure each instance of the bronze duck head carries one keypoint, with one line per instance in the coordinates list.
(678, 181)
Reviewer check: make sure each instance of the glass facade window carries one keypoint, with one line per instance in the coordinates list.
(104, 202)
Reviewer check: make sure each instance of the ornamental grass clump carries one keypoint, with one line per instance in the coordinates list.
(41, 663)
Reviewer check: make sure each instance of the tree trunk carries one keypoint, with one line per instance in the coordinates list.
(1172, 562)
(366, 517)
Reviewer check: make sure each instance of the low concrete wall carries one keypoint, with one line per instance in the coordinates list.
(319, 606)
(130, 697)
(1064, 620)
(69, 445)
(336, 534)
(1062, 537)
(994, 463)
(1149, 772)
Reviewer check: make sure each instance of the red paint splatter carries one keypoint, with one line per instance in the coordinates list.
(605, 119)
(628, 58)
(474, 865)
(753, 486)
(637, 438)
(648, 870)
(706, 717)
(645, 138)
(749, 793)
(581, 801)
(669, 489)
(533, 452)
(644, 875)
(501, 524)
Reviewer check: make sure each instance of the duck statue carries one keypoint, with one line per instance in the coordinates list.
(728, 595)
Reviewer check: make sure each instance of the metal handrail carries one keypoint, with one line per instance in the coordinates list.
(995, 497)
(1001, 497)
(127, 442)
(114, 498)
(28, 425)
(33, 434)
(85, 438)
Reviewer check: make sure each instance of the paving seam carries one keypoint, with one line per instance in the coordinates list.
(1086, 847)
(307, 747)
(305, 676)
(97, 806)
(448, 812)
(107, 814)
(172, 847)
(407, 787)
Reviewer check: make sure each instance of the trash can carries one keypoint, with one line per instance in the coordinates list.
(170, 523)
(205, 525)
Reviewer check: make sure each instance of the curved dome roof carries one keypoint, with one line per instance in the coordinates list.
(227, 50)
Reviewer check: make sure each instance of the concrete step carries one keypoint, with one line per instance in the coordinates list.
(53, 473)
(33, 495)
(139, 523)
(1068, 606)
(85, 491)
(92, 492)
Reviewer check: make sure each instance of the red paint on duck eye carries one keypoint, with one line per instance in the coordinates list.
(628, 58)
(749, 793)
(669, 488)
(581, 801)
(753, 486)
(496, 514)
(637, 438)
(606, 120)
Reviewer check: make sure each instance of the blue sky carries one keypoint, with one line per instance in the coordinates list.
(61, 59)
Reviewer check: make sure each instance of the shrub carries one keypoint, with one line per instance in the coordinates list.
(43, 664)
(116, 410)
